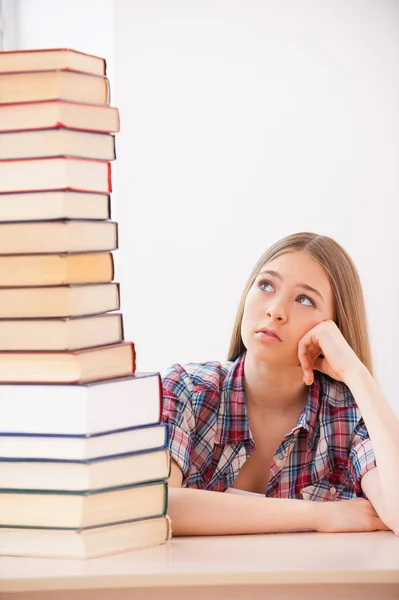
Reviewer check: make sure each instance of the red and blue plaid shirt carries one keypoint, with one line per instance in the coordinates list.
(322, 458)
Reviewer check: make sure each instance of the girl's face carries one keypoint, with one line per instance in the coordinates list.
(291, 295)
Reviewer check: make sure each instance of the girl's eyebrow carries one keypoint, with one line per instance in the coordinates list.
(304, 286)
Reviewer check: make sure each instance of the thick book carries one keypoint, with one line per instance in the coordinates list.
(73, 300)
(81, 409)
(50, 206)
(56, 141)
(56, 269)
(57, 237)
(79, 510)
(53, 85)
(78, 366)
(87, 475)
(86, 543)
(61, 173)
(66, 333)
(84, 447)
(51, 58)
(59, 113)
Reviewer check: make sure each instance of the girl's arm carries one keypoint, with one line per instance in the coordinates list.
(341, 363)
(200, 512)
(383, 428)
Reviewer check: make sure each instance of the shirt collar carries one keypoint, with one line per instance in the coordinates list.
(233, 424)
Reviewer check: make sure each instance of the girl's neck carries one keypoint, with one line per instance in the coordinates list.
(274, 388)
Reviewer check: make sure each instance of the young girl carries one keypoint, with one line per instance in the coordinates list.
(294, 416)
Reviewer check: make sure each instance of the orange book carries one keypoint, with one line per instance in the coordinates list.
(55, 269)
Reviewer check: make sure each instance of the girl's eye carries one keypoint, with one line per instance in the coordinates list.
(263, 284)
(308, 299)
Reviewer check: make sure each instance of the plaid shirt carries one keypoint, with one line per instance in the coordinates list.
(322, 458)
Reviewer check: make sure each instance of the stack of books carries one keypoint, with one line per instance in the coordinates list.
(83, 454)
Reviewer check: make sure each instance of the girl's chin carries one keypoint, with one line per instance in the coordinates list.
(270, 356)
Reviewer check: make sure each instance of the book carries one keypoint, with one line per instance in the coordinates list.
(54, 205)
(58, 237)
(84, 447)
(56, 269)
(59, 113)
(51, 58)
(77, 366)
(88, 475)
(86, 543)
(72, 300)
(56, 141)
(53, 85)
(60, 173)
(67, 333)
(79, 510)
(81, 409)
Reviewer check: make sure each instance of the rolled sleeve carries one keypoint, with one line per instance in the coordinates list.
(178, 413)
(361, 455)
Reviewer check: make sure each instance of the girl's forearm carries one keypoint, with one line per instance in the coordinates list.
(383, 428)
(199, 512)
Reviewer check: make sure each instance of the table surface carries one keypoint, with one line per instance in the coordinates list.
(300, 557)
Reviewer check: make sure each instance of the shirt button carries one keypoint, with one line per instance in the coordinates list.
(333, 490)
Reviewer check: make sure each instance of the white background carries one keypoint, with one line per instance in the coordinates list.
(241, 121)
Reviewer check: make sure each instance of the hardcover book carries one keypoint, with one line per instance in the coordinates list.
(81, 409)
(59, 113)
(51, 58)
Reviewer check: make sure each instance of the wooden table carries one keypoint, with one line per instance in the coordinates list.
(285, 566)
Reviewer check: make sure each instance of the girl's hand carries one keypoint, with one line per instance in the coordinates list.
(342, 516)
(338, 357)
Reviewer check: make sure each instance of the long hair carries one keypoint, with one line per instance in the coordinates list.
(349, 307)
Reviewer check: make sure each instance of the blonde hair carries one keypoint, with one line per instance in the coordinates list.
(349, 307)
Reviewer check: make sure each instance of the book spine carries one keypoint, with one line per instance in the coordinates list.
(118, 292)
(160, 396)
(116, 236)
(111, 257)
(109, 178)
(107, 91)
(114, 147)
(122, 328)
(134, 359)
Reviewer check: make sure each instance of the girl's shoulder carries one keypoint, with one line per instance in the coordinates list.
(208, 375)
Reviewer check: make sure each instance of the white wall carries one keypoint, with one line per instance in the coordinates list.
(85, 25)
(242, 121)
